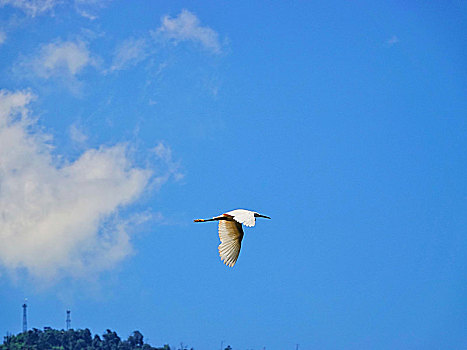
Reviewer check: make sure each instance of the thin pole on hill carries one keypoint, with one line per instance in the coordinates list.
(25, 317)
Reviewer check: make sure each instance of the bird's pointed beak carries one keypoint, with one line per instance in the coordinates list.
(263, 216)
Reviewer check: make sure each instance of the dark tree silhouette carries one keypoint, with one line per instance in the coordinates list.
(80, 339)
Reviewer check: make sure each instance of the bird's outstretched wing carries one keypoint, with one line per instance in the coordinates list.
(231, 235)
(245, 217)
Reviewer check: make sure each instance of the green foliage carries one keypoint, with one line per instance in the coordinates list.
(80, 339)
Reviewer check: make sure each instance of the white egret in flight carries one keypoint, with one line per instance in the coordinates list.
(231, 232)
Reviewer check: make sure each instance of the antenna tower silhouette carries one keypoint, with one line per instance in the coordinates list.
(25, 317)
(68, 319)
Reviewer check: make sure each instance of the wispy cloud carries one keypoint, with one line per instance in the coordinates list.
(62, 58)
(61, 219)
(89, 8)
(186, 27)
(129, 53)
(77, 135)
(62, 61)
(31, 7)
(164, 153)
(392, 41)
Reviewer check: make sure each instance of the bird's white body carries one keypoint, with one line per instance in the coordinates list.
(243, 216)
(231, 232)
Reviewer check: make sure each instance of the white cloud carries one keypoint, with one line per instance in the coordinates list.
(31, 7)
(392, 41)
(2, 37)
(60, 219)
(66, 58)
(130, 52)
(186, 27)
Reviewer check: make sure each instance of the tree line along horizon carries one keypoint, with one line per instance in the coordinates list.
(80, 339)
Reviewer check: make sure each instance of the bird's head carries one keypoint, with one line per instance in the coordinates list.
(257, 215)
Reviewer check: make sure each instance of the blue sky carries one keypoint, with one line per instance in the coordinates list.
(346, 122)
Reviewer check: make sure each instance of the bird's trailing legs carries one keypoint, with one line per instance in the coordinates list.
(203, 220)
(217, 218)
